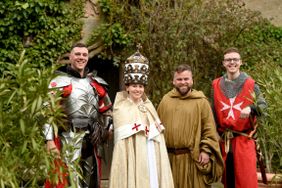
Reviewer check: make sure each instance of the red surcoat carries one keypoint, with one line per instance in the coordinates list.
(228, 117)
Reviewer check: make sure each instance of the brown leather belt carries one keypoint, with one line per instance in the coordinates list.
(178, 151)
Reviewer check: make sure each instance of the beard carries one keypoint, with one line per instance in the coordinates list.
(183, 90)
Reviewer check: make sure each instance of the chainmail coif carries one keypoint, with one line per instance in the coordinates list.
(231, 88)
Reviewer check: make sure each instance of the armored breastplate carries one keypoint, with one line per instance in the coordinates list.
(82, 104)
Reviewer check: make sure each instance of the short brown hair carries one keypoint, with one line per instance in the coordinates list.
(181, 68)
(79, 44)
(230, 50)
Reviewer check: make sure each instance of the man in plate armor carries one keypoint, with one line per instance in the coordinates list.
(87, 106)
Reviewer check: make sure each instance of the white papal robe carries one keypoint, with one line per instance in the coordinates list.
(140, 158)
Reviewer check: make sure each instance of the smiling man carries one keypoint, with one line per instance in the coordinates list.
(87, 105)
(79, 58)
(235, 109)
(190, 133)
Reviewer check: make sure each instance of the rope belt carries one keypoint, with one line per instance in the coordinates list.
(228, 134)
(178, 151)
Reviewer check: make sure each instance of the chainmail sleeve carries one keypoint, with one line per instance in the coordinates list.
(260, 105)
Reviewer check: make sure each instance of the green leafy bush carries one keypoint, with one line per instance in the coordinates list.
(46, 28)
(270, 130)
(26, 105)
(23, 90)
(192, 32)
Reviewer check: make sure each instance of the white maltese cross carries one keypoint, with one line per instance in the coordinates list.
(231, 107)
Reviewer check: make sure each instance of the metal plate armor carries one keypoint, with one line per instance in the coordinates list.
(82, 105)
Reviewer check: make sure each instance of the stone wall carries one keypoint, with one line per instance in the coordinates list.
(271, 9)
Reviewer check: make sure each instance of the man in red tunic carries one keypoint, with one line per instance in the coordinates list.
(236, 99)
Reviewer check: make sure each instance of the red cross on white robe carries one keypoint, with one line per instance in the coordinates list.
(135, 126)
(146, 130)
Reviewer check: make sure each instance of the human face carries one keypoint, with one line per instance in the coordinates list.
(183, 82)
(232, 62)
(135, 91)
(79, 58)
